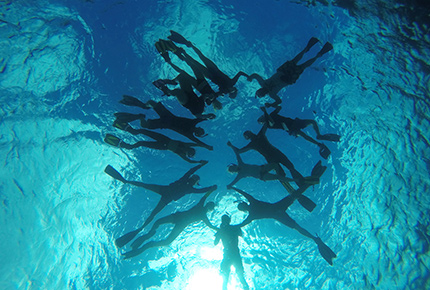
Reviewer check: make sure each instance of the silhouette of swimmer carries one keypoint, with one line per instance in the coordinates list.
(184, 150)
(295, 126)
(262, 210)
(185, 94)
(209, 69)
(287, 74)
(260, 143)
(199, 83)
(179, 220)
(172, 192)
(261, 172)
(230, 240)
(167, 120)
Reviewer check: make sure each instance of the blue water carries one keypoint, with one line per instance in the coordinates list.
(64, 65)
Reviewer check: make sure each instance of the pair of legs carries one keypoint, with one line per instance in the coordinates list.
(324, 250)
(236, 261)
(296, 126)
(176, 231)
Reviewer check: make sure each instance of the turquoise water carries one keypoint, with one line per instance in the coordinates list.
(64, 65)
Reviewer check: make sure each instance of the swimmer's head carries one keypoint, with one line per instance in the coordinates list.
(225, 219)
(199, 132)
(210, 206)
(233, 168)
(248, 135)
(191, 152)
(261, 120)
(261, 92)
(194, 179)
(243, 206)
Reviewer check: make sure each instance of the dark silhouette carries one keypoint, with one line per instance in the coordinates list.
(179, 220)
(295, 126)
(199, 83)
(230, 239)
(209, 69)
(184, 150)
(172, 192)
(167, 120)
(261, 172)
(260, 143)
(185, 94)
(262, 210)
(287, 74)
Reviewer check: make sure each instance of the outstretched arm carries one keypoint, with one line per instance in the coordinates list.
(245, 149)
(257, 77)
(246, 195)
(192, 170)
(208, 223)
(235, 150)
(236, 179)
(205, 189)
(262, 131)
(238, 75)
(276, 102)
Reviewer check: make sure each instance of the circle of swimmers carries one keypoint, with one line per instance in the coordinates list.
(184, 89)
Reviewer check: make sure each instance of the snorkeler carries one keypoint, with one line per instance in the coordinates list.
(184, 126)
(172, 192)
(261, 172)
(287, 74)
(184, 150)
(295, 126)
(209, 69)
(263, 210)
(231, 254)
(199, 83)
(179, 220)
(260, 143)
(184, 94)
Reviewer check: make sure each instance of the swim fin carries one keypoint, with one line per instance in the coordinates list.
(109, 170)
(325, 251)
(132, 101)
(121, 125)
(112, 140)
(326, 48)
(176, 37)
(162, 48)
(217, 105)
(125, 239)
(329, 137)
(305, 201)
(324, 151)
(127, 117)
(311, 43)
(318, 170)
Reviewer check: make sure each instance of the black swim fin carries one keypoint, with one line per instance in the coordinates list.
(127, 117)
(325, 251)
(318, 170)
(109, 170)
(324, 151)
(125, 239)
(176, 37)
(326, 48)
(329, 137)
(132, 101)
(112, 140)
(311, 43)
(305, 201)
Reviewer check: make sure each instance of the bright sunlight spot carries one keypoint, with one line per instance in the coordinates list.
(208, 279)
(211, 253)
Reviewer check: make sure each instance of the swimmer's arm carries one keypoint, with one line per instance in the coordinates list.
(238, 75)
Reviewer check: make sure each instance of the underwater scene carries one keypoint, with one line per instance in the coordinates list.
(199, 144)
